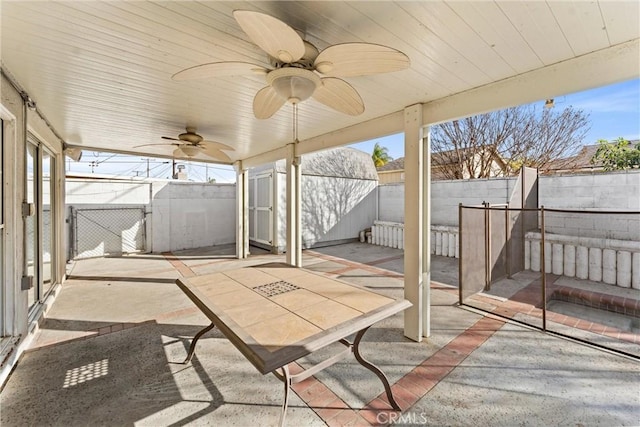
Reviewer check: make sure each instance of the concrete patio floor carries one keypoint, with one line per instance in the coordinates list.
(109, 352)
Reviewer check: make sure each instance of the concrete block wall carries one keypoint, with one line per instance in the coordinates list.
(445, 197)
(613, 191)
(598, 247)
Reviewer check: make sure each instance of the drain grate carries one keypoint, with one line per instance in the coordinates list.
(275, 288)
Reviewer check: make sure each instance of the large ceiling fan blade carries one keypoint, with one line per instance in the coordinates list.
(216, 145)
(215, 153)
(219, 69)
(271, 34)
(267, 102)
(170, 138)
(339, 95)
(360, 59)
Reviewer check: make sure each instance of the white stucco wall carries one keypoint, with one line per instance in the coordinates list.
(180, 215)
(333, 209)
(14, 324)
(88, 191)
(192, 215)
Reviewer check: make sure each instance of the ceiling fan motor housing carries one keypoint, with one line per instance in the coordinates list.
(190, 136)
(294, 84)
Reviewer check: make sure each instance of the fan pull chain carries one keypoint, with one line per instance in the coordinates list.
(295, 122)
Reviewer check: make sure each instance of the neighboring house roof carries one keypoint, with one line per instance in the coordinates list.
(582, 160)
(439, 159)
(393, 165)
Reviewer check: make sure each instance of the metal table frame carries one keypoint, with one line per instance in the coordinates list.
(281, 370)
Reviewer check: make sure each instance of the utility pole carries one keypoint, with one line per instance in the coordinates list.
(147, 167)
(173, 168)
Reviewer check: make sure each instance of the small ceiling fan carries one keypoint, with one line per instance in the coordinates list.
(190, 144)
(298, 67)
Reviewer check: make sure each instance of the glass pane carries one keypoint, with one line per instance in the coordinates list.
(47, 221)
(31, 232)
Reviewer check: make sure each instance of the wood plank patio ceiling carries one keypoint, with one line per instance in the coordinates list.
(101, 71)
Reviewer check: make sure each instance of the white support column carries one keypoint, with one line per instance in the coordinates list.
(242, 211)
(426, 232)
(413, 222)
(297, 165)
(294, 236)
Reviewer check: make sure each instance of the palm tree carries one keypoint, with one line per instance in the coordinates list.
(380, 155)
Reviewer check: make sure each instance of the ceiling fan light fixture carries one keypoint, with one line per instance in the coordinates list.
(293, 84)
(189, 150)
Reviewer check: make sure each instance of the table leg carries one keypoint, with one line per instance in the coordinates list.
(373, 368)
(192, 348)
(286, 378)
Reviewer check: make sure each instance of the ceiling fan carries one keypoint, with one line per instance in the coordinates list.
(190, 144)
(298, 67)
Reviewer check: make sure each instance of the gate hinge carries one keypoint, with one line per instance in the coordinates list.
(26, 283)
(28, 209)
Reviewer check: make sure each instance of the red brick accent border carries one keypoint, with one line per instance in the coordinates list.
(407, 390)
(182, 268)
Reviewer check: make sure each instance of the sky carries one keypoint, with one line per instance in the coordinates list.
(614, 111)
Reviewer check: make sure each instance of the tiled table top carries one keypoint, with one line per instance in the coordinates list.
(275, 313)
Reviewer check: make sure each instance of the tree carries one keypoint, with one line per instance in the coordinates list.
(380, 155)
(517, 136)
(617, 155)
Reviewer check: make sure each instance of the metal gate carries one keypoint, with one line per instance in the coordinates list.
(97, 232)
(261, 208)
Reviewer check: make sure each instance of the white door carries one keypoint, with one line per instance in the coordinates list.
(261, 208)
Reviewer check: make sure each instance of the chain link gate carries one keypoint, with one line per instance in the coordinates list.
(97, 232)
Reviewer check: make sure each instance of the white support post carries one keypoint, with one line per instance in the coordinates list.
(294, 236)
(426, 231)
(242, 211)
(413, 222)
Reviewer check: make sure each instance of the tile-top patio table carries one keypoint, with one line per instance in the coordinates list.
(276, 314)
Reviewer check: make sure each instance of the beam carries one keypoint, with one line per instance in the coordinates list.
(375, 128)
(595, 69)
(266, 157)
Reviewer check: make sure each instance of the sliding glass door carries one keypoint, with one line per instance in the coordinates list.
(39, 222)
(31, 242)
